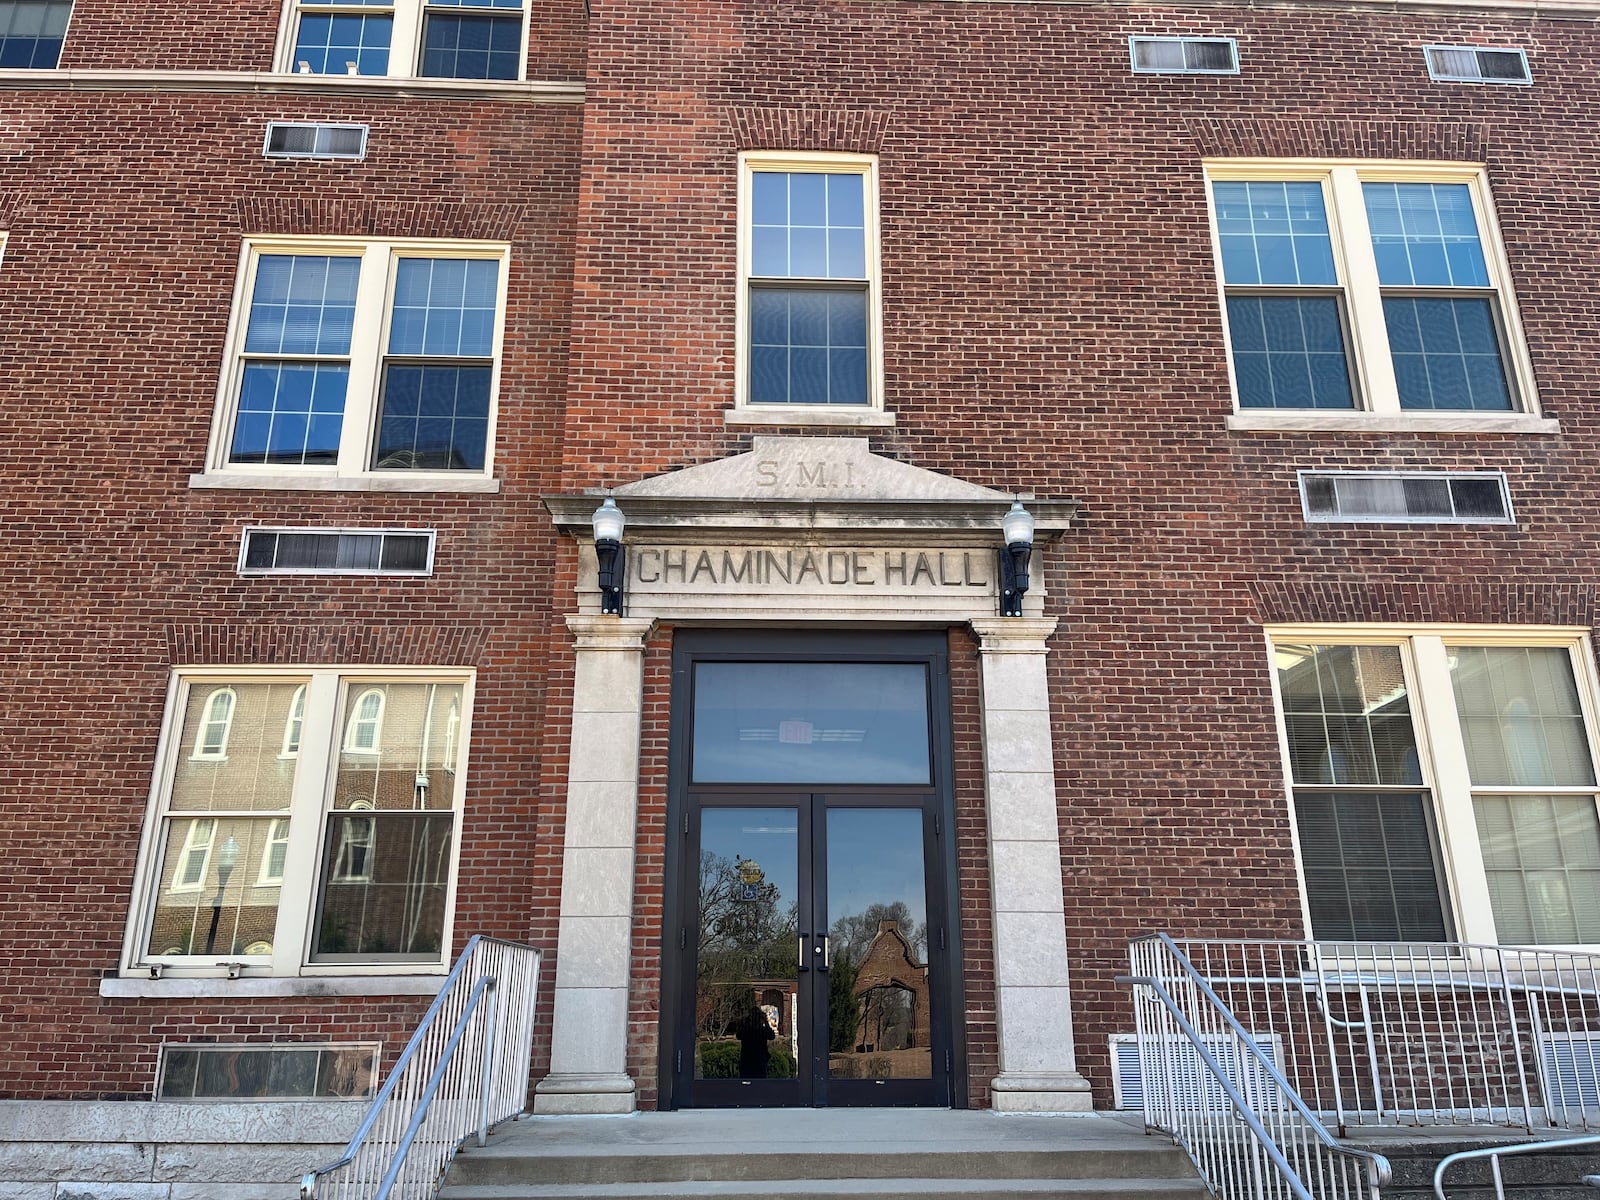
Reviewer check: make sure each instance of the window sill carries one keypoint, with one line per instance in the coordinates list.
(810, 415)
(344, 483)
(272, 81)
(1281, 421)
(207, 987)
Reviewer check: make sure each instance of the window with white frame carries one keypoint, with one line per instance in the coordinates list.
(367, 359)
(327, 861)
(432, 39)
(809, 312)
(211, 739)
(1366, 287)
(294, 723)
(32, 31)
(1444, 783)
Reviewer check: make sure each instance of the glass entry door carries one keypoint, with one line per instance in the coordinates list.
(813, 974)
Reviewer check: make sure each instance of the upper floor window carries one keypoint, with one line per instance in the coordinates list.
(1366, 288)
(810, 321)
(31, 32)
(362, 359)
(440, 39)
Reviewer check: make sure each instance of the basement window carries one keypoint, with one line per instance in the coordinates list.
(299, 139)
(1410, 498)
(274, 551)
(1477, 64)
(333, 1071)
(1184, 56)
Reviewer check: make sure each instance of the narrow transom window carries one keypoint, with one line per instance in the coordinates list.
(1184, 55)
(438, 39)
(810, 290)
(1409, 497)
(1477, 64)
(31, 32)
(336, 552)
(276, 1072)
(290, 139)
(1378, 289)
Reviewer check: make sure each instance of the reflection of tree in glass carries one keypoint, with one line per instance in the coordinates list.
(747, 932)
(853, 935)
(880, 1010)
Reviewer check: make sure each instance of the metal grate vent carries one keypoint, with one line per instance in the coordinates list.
(1191, 1081)
(1570, 1065)
(296, 139)
(1184, 55)
(1477, 64)
(1414, 498)
(336, 552)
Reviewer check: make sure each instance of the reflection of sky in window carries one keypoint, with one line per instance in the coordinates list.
(766, 835)
(1274, 233)
(811, 723)
(808, 225)
(875, 857)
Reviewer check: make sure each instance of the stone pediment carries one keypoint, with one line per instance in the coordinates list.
(811, 483)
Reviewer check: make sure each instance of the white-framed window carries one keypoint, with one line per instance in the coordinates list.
(1477, 64)
(1444, 781)
(430, 39)
(294, 723)
(809, 306)
(371, 359)
(211, 738)
(364, 729)
(1183, 55)
(32, 31)
(1378, 289)
(327, 862)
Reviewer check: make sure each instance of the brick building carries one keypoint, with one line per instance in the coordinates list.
(328, 328)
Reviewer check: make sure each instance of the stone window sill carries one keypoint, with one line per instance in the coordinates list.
(343, 483)
(809, 415)
(1364, 422)
(212, 987)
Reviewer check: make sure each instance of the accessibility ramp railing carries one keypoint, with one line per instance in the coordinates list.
(1495, 1153)
(463, 1071)
(1210, 1085)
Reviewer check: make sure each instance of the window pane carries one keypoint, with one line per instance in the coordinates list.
(1520, 717)
(1446, 353)
(1347, 715)
(808, 346)
(433, 418)
(444, 307)
(290, 413)
(1542, 858)
(1425, 235)
(809, 722)
(1369, 866)
(216, 895)
(328, 44)
(31, 32)
(1288, 352)
(251, 777)
(1274, 233)
(808, 225)
(302, 304)
(471, 47)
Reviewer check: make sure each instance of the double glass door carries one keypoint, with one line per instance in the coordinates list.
(815, 978)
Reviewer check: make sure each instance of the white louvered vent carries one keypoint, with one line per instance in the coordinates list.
(298, 139)
(1193, 1084)
(1184, 55)
(1570, 1067)
(267, 551)
(1477, 64)
(1413, 498)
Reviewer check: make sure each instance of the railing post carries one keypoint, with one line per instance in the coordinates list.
(486, 1067)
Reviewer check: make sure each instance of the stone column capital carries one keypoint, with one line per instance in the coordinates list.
(609, 633)
(1012, 635)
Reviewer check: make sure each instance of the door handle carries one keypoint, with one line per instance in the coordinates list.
(826, 950)
(803, 965)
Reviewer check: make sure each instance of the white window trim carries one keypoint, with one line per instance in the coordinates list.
(821, 162)
(1372, 370)
(354, 720)
(405, 47)
(334, 530)
(1446, 778)
(1427, 60)
(267, 877)
(192, 846)
(374, 295)
(314, 155)
(1183, 39)
(1497, 477)
(148, 972)
(294, 724)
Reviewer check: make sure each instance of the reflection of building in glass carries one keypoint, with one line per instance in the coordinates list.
(891, 1013)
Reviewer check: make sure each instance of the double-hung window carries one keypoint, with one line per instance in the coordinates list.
(1376, 289)
(435, 39)
(31, 32)
(336, 858)
(1444, 784)
(809, 314)
(363, 359)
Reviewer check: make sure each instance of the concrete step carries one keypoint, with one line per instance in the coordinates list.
(836, 1189)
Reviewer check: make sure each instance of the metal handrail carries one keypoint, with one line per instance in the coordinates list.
(1213, 1147)
(474, 1048)
(1495, 1153)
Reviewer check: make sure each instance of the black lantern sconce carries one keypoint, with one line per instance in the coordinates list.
(1017, 526)
(610, 558)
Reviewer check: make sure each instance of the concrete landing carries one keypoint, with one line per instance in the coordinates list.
(810, 1154)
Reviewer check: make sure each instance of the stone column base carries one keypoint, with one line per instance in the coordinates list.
(584, 1095)
(1066, 1092)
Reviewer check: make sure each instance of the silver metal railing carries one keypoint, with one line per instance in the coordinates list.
(1495, 1153)
(463, 1071)
(1210, 1085)
(1420, 1033)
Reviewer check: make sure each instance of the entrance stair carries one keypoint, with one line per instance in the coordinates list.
(815, 1154)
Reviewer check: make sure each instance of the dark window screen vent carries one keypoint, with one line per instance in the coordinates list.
(1410, 498)
(336, 552)
(1184, 55)
(1477, 64)
(291, 139)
